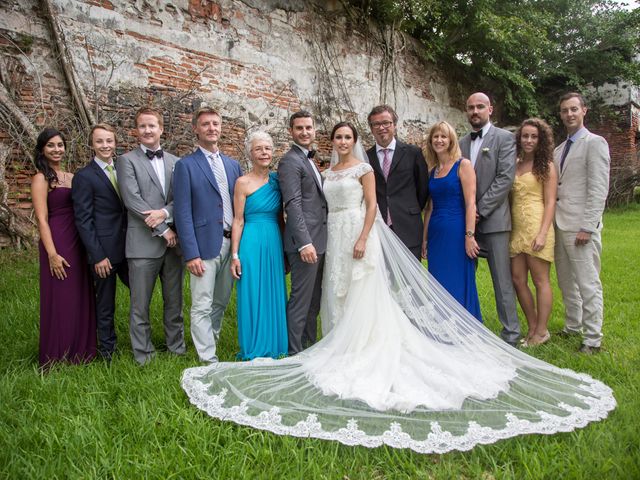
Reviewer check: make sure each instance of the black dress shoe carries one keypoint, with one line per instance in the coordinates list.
(587, 350)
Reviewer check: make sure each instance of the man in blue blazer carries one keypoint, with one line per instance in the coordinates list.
(101, 219)
(203, 205)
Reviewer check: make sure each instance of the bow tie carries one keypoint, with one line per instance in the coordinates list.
(475, 135)
(151, 154)
(311, 153)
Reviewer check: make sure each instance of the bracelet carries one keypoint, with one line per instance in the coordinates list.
(234, 256)
(469, 233)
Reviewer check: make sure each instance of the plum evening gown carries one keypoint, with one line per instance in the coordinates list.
(262, 295)
(446, 256)
(67, 312)
(403, 365)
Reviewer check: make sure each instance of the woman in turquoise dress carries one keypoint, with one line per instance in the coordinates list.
(449, 239)
(257, 256)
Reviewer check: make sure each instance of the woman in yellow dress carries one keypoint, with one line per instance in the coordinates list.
(533, 203)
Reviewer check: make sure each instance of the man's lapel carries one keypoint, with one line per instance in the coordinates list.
(203, 162)
(146, 164)
(398, 154)
(102, 177)
(310, 168)
(486, 148)
(168, 172)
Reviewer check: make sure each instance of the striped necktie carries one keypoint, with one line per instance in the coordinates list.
(221, 179)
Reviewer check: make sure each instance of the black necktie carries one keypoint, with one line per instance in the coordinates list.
(151, 154)
(567, 146)
(475, 135)
(311, 153)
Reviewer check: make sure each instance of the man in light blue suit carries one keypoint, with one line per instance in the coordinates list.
(203, 204)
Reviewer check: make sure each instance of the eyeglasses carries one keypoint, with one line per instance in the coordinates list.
(385, 124)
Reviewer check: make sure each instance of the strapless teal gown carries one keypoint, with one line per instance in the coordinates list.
(261, 290)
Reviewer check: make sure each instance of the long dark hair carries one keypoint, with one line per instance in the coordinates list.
(543, 156)
(39, 160)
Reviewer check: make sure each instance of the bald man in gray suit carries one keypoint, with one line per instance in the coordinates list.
(492, 152)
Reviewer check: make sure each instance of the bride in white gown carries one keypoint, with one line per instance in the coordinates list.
(401, 363)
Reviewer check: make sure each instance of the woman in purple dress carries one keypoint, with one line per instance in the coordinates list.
(67, 315)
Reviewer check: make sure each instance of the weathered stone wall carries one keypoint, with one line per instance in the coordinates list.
(256, 61)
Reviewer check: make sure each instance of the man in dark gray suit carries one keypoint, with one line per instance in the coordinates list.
(305, 233)
(144, 178)
(492, 152)
(402, 180)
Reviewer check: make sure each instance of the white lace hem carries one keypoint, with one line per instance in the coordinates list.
(437, 441)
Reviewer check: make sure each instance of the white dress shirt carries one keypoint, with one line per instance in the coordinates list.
(477, 143)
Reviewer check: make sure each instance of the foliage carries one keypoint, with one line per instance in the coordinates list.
(120, 420)
(525, 53)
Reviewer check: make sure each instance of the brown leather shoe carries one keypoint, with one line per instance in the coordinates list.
(587, 350)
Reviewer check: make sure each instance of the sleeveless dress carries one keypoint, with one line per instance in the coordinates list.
(527, 210)
(446, 256)
(261, 290)
(67, 311)
(403, 365)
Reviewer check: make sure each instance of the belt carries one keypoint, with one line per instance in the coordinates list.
(226, 233)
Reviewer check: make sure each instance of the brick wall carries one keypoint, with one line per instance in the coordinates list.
(255, 63)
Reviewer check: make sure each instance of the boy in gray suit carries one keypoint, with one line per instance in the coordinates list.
(492, 152)
(144, 178)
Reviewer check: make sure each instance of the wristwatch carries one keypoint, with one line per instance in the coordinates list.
(469, 233)
(234, 256)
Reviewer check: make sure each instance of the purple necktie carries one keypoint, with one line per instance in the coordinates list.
(386, 166)
(386, 162)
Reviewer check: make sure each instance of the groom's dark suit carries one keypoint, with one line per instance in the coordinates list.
(306, 210)
(404, 192)
(101, 220)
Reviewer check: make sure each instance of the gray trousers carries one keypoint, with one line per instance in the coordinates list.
(143, 273)
(578, 271)
(304, 302)
(210, 295)
(495, 248)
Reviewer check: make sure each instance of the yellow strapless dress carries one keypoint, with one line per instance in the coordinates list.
(527, 210)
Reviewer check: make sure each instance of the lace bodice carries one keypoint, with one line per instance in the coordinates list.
(342, 188)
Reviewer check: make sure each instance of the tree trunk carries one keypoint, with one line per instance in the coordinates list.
(79, 98)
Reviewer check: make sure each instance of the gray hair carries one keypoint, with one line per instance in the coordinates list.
(255, 136)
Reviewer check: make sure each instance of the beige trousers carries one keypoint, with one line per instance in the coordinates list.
(578, 271)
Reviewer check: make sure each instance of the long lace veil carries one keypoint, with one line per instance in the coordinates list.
(281, 397)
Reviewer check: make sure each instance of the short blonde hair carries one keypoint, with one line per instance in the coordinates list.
(102, 126)
(149, 111)
(454, 148)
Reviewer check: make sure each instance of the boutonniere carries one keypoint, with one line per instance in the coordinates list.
(485, 150)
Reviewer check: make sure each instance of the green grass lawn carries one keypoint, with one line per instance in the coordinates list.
(123, 421)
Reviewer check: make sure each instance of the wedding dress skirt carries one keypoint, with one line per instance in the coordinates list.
(401, 363)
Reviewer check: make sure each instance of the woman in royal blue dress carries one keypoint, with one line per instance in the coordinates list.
(257, 256)
(449, 243)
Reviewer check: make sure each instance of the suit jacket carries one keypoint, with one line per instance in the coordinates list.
(198, 204)
(304, 203)
(100, 216)
(583, 184)
(495, 172)
(405, 192)
(141, 190)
